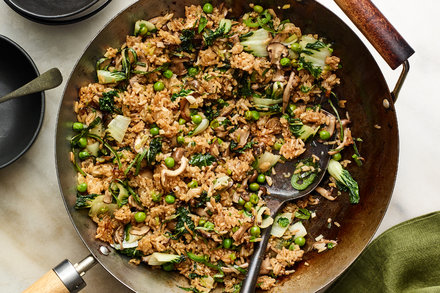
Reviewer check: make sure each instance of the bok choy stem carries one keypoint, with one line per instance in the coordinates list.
(108, 147)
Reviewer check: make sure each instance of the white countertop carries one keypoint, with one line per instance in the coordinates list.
(35, 231)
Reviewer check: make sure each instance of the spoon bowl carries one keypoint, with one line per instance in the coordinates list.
(281, 191)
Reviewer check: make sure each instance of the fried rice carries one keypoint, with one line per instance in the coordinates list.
(177, 139)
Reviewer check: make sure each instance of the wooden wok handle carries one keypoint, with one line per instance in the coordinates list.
(378, 30)
(63, 278)
(50, 282)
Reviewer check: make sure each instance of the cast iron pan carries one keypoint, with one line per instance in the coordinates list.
(54, 12)
(370, 103)
(20, 119)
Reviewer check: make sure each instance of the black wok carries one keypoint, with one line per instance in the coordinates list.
(370, 104)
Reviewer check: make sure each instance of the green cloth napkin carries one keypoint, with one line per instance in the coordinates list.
(405, 258)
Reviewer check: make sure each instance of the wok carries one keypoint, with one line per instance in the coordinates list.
(370, 103)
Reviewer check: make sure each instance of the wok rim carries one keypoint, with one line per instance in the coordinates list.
(362, 247)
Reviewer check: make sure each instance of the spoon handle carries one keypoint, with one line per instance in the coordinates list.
(48, 80)
(250, 281)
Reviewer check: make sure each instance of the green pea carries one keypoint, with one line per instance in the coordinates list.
(182, 121)
(154, 130)
(168, 74)
(202, 221)
(296, 47)
(241, 201)
(292, 246)
(169, 162)
(83, 155)
(248, 115)
(197, 119)
(330, 245)
(235, 229)
(337, 157)
(255, 115)
(180, 139)
(253, 198)
(82, 187)
(300, 241)
(140, 217)
(214, 124)
(324, 134)
(227, 243)
(158, 86)
(254, 186)
(248, 206)
(156, 196)
(170, 199)
(82, 142)
(255, 231)
(285, 61)
(261, 178)
(192, 71)
(78, 126)
(168, 267)
(209, 226)
(277, 146)
(143, 29)
(193, 184)
(207, 8)
(258, 9)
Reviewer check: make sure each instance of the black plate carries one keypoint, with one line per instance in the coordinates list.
(52, 9)
(55, 18)
(21, 118)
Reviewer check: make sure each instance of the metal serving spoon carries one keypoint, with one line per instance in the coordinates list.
(46, 81)
(280, 192)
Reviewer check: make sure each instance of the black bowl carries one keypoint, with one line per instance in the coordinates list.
(20, 118)
(51, 12)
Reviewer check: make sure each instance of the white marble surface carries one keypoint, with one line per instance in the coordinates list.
(35, 231)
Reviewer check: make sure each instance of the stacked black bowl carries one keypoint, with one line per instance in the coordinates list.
(55, 12)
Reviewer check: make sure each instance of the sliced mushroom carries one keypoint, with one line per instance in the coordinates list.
(178, 154)
(331, 125)
(276, 52)
(174, 173)
(139, 231)
(325, 193)
(253, 177)
(274, 125)
(119, 235)
(241, 136)
(239, 233)
(178, 67)
(184, 109)
(348, 140)
(288, 89)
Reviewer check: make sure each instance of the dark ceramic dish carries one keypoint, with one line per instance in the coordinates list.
(20, 119)
(50, 12)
